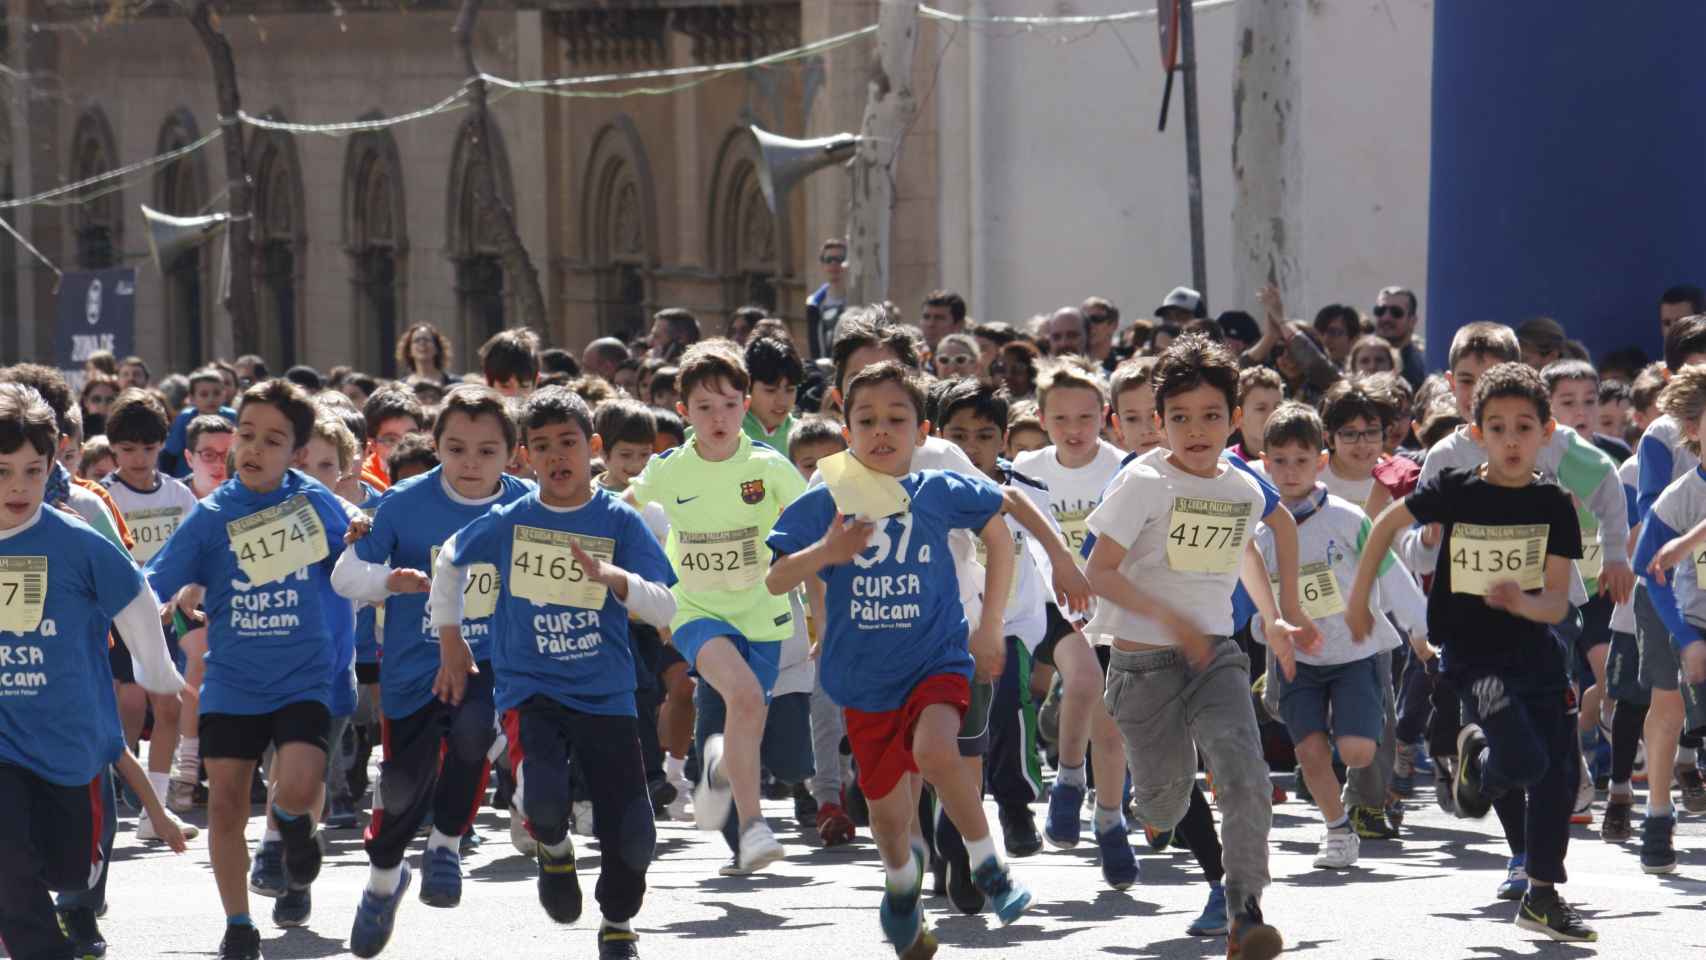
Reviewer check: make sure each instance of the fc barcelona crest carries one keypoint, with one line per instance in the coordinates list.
(752, 491)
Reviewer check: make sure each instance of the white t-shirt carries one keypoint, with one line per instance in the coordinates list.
(151, 515)
(1027, 602)
(1355, 491)
(1623, 615)
(1184, 537)
(1072, 493)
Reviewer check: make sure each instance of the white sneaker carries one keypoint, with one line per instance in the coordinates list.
(519, 837)
(733, 869)
(713, 795)
(581, 817)
(1583, 812)
(180, 796)
(1339, 850)
(146, 833)
(759, 848)
(677, 808)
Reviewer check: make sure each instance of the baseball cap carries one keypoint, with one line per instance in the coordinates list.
(1184, 298)
(1240, 325)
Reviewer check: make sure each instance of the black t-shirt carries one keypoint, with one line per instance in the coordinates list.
(1471, 635)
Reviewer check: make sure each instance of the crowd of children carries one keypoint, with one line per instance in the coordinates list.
(538, 592)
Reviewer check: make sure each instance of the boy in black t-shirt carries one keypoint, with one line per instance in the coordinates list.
(1501, 581)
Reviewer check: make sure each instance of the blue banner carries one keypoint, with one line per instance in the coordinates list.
(96, 311)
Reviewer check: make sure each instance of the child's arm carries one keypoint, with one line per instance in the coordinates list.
(1359, 617)
(1253, 573)
(988, 645)
(137, 779)
(1106, 581)
(1378, 498)
(444, 610)
(138, 626)
(1069, 582)
(840, 544)
(1301, 629)
(356, 579)
(646, 601)
(1550, 606)
(1684, 635)
(1676, 551)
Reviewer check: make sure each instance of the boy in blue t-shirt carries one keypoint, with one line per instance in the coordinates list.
(62, 586)
(895, 651)
(574, 563)
(435, 753)
(207, 398)
(263, 548)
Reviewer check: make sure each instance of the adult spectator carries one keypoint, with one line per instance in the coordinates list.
(673, 331)
(559, 361)
(1395, 317)
(1238, 330)
(305, 377)
(1065, 332)
(957, 355)
(742, 321)
(991, 337)
(1019, 361)
(1542, 340)
(423, 354)
(1101, 322)
(944, 312)
(603, 357)
(1681, 301)
(134, 372)
(823, 308)
(1181, 306)
(1338, 326)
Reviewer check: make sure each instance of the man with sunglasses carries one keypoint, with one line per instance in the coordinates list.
(1101, 323)
(1395, 322)
(823, 308)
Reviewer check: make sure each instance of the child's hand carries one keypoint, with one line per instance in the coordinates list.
(1694, 662)
(408, 581)
(1419, 645)
(1504, 595)
(1192, 644)
(1431, 535)
(1071, 588)
(1305, 635)
(1617, 581)
(1283, 639)
(1669, 556)
(169, 831)
(456, 663)
(1359, 618)
(1272, 305)
(595, 569)
(358, 528)
(989, 650)
(844, 541)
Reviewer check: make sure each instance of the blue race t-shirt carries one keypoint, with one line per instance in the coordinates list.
(894, 613)
(269, 642)
(412, 522)
(58, 716)
(172, 460)
(367, 623)
(580, 656)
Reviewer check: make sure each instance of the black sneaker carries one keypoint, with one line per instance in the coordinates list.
(79, 926)
(1252, 938)
(663, 794)
(1370, 823)
(559, 887)
(805, 807)
(302, 860)
(242, 942)
(1466, 786)
(614, 944)
(1693, 788)
(1543, 911)
(1658, 851)
(1614, 827)
(956, 868)
(1442, 785)
(294, 908)
(1019, 830)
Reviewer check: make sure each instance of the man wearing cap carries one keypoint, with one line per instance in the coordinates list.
(1240, 330)
(1180, 307)
(1395, 322)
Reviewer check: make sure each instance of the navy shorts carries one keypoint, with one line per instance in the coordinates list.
(1344, 700)
(764, 657)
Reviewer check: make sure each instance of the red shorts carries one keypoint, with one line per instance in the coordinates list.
(882, 741)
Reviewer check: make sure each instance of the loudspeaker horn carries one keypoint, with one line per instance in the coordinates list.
(171, 237)
(785, 162)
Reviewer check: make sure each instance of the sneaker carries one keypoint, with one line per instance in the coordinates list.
(759, 848)
(146, 833)
(79, 926)
(1251, 938)
(956, 865)
(1658, 854)
(1279, 795)
(834, 827)
(903, 921)
(663, 794)
(1008, 897)
(733, 869)
(1466, 785)
(1119, 864)
(1339, 849)
(469, 842)
(1019, 829)
(241, 942)
(683, 799)
(375, 916)
(180, 796)
(1395, 815)
(1515, 883)
(341, 814)
(1543, 911)
(1693, 789)
(580, 818)
(1614, 826)
(1212, 921)
(614, 944)
(302, 864)
(294, 907)
(1159, 840)
(266, 877)
(1369, 823)
(559, 888)
(713, 797)
(1062, 825)
(441, 878)
(1424, 763)
(1442, 786)
(519, 837)
(805, 807)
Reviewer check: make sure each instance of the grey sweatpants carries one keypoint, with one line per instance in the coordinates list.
(828, 727)
(1366, 786)
(1166, 712)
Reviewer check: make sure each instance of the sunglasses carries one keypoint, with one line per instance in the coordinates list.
(1397, 313)
(956, 360)
(1098, 318)
(830, 258)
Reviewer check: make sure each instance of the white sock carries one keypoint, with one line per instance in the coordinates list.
(1658, 806)
(189, 758)
(159, 782)
(1071, 776)
(1108, 818)
(674, 767)
(623, 925)
(272, 836)
(444, 841)
(980, 850)
(564, 848)
(1622, 789)
(382, 882)
(1685, 757)
(902, 878)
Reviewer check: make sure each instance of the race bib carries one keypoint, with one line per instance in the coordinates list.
(1075, 526)
(1018, 558)
(1592, 562)
(725, 560)
(543, 570)
(1206, 536)
(278, 541)
(480, 596)
(1484, 555)
(150, 529)
(1700, 566)
(23, 592)
(1317, 590)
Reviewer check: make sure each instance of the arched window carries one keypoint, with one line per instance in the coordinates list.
(280, 246)
(747, 240)
(482, 289)
(180, 188)
(376, 239)
(621, 227)
(97, 224)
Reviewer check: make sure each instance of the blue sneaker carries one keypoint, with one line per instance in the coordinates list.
(266, 877)
(1424, 764)
(1007, 897)
(1658, 850)
(1063, 825)
(1516, 879)
(441, 878)
(1212, 921)
(375, 917)
(293, 908)
(1119, 864)
(903, 921)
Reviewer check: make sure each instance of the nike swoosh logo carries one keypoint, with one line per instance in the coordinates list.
(688, 500)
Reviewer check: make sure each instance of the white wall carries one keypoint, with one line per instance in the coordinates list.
(1068, 190)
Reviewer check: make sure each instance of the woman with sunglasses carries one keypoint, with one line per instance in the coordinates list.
(99, 391)
(957, 355)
